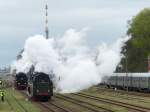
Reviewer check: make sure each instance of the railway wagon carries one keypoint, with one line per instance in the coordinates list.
(132, 81)
(40, 87)
(20, 81)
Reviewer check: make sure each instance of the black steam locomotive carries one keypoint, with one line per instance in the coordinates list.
(40, 86)
(21, 81)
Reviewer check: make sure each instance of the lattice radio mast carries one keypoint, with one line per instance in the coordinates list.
(46, 20)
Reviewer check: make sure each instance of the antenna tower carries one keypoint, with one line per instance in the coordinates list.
(46, 20)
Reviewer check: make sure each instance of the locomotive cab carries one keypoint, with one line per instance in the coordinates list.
(41, 87)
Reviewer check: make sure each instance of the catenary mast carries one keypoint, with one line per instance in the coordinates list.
(46, 20)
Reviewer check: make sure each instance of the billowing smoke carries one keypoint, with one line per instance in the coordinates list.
(109, 56)
(72, 61)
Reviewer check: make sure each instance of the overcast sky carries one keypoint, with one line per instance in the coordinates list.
(107, 20)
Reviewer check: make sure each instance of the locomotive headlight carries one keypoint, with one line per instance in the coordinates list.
(37, 90)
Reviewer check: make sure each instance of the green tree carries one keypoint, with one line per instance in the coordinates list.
(137, 49)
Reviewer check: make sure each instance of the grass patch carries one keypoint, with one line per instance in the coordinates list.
(16, 102)
(132, 99)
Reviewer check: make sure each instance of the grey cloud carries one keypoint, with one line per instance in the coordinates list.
(20, 19)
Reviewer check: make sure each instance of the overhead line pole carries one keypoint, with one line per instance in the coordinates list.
(126, 61)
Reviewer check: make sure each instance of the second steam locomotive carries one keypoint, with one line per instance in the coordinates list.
(21, 81)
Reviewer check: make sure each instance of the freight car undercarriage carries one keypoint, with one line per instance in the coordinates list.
(146, 90)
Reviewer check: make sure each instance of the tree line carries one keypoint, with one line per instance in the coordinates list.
(137, 50)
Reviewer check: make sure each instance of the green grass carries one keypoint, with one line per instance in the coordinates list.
(13, 100)
(12, 97)
(132, 99)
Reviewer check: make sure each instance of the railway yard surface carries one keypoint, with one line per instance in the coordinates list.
(93, 100)
(16, 102)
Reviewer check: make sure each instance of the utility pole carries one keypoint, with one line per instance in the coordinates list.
(126, 63)
(46, 20)
(148, 59)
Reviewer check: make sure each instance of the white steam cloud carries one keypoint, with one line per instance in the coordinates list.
(109, 56)
(70, 59)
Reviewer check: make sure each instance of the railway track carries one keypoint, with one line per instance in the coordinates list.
(126, 97)
(9, 104)
(50, 106)
(125, 92)
(24, 109)
(130, 95)
(87, 105)
(54, 107)
(114, 102)
(60, 107)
